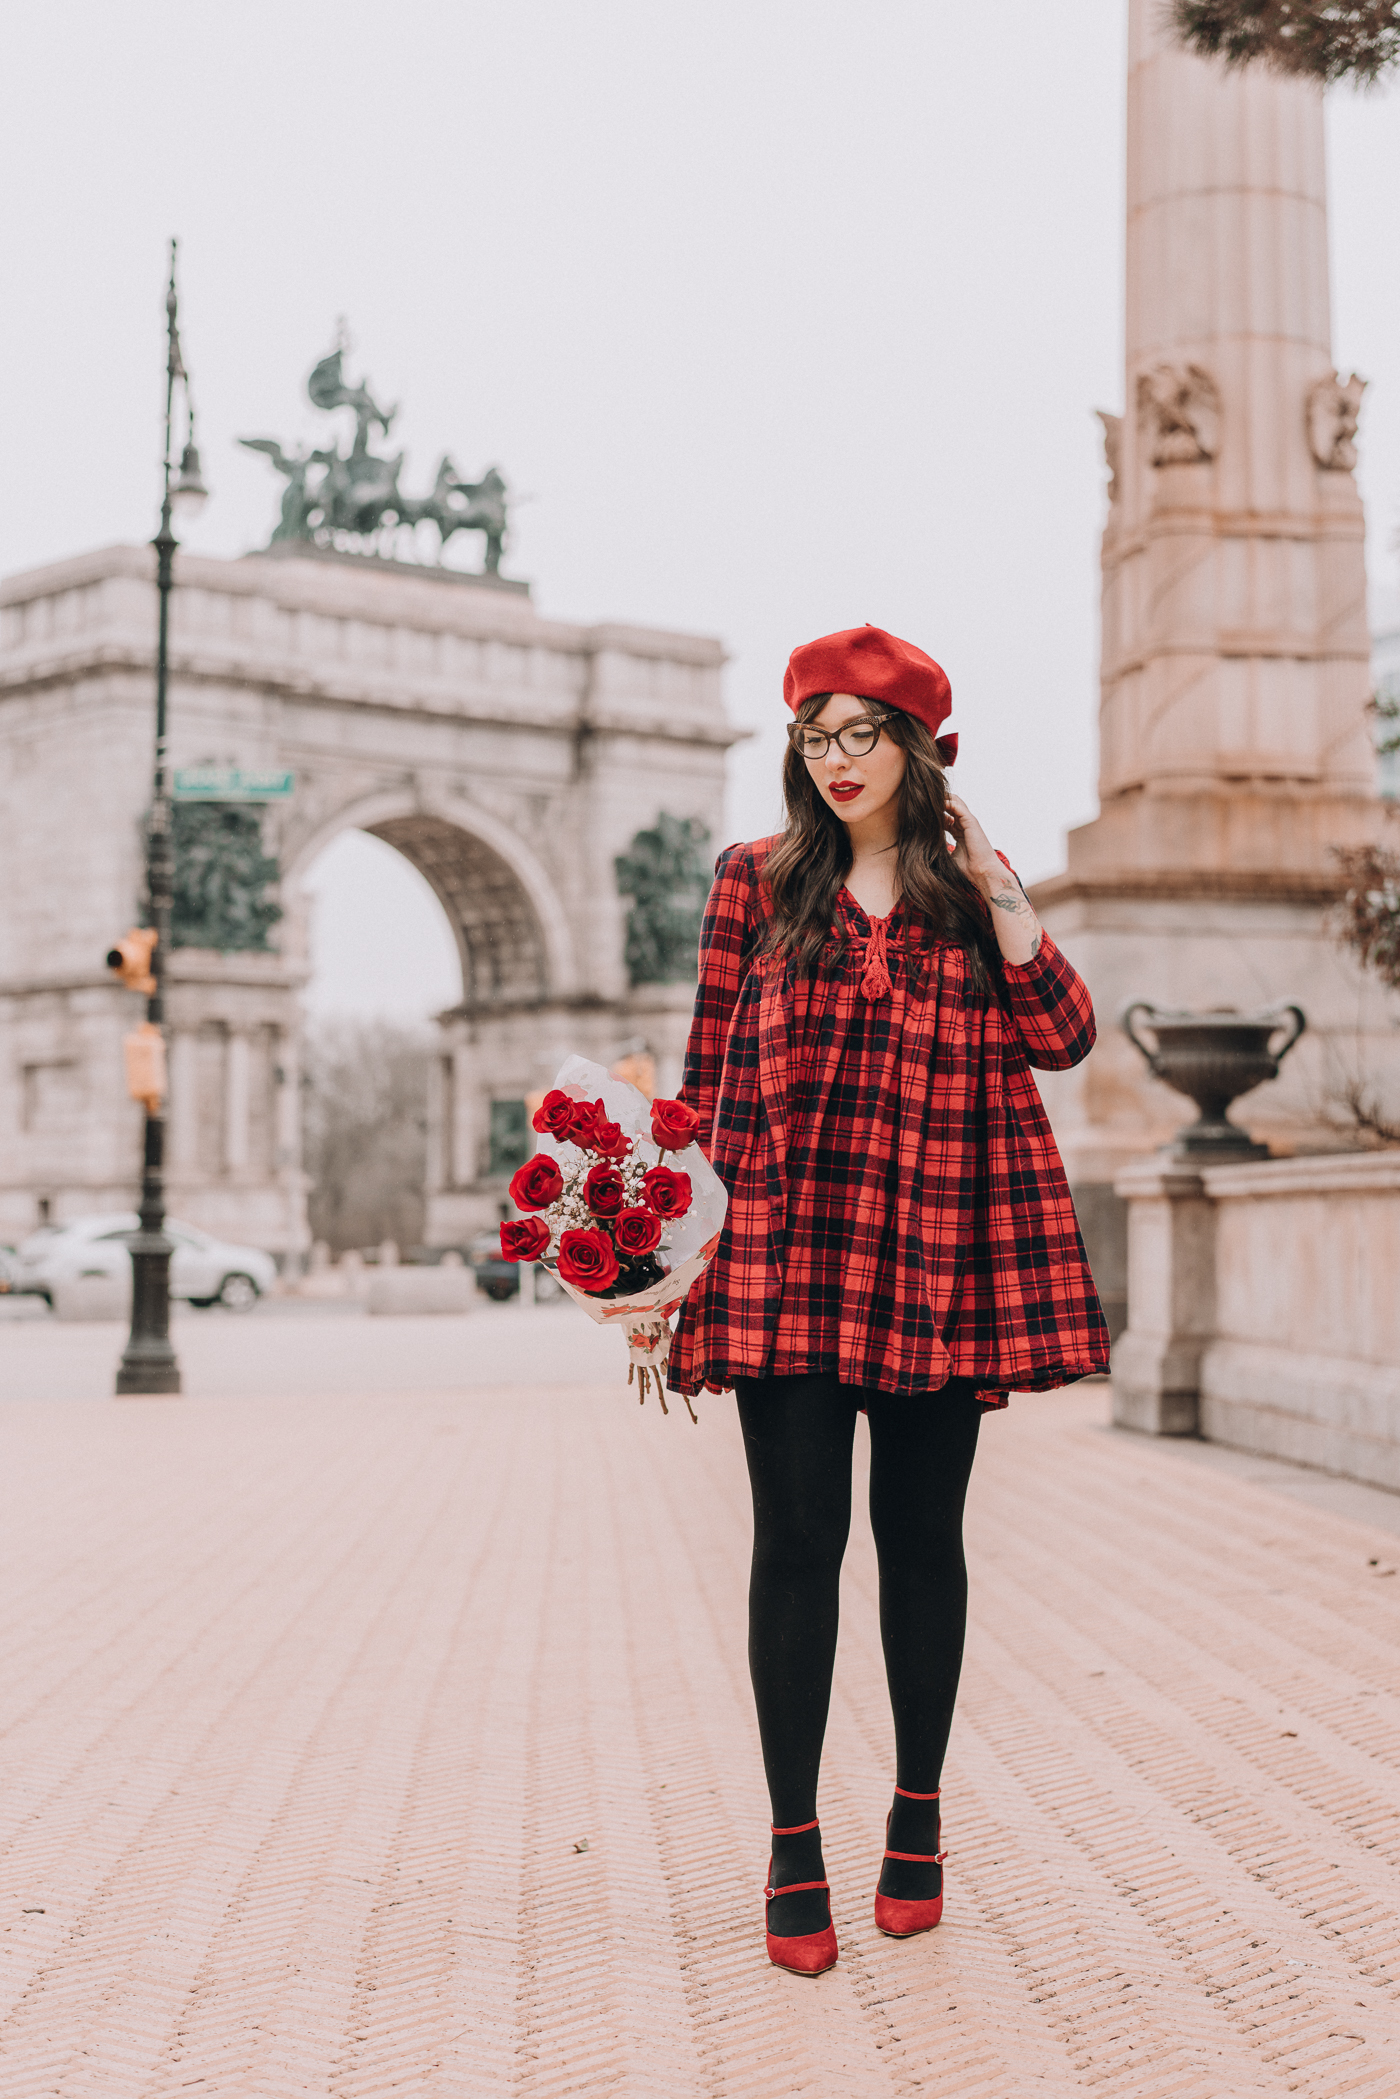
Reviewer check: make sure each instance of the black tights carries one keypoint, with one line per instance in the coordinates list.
(798, 1436)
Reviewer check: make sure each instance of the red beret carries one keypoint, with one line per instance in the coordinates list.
(873, 665)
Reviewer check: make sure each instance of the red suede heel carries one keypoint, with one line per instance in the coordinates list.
(905, 1920)
(813, 1952)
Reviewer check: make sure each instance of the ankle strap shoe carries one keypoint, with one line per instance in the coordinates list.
(813, 1952)
(905, 1920)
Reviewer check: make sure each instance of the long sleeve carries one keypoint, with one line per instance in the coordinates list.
(727, 939)
(1051, 1008)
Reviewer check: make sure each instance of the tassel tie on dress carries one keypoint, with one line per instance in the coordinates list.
(875, 983)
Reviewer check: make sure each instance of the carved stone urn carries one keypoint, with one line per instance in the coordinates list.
(1213, 1058)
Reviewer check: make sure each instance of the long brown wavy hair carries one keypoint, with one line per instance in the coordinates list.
(808, 866)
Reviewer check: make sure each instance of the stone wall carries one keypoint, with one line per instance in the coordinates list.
(1264, 1308)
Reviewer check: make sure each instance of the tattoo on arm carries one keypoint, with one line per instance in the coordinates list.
(1016, 901)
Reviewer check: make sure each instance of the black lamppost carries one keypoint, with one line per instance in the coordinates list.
(149, 1364)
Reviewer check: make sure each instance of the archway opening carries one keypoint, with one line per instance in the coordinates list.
(384, 959)
(380, 944)
(422, 944)
(502, 947)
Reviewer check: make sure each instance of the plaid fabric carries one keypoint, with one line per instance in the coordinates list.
(898, 1212)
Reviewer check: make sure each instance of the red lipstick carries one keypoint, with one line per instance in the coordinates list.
(846, 790)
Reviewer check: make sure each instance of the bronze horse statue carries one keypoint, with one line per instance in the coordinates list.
(357, 495)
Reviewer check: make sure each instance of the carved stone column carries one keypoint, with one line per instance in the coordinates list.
(1236, 557)
(286, 1051)
(466, 1117)
(437, 1174)
(183, 1121)
(1235, 748)
(237, 1102)
(459, 1107)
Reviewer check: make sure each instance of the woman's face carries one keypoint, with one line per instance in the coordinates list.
(856, 788)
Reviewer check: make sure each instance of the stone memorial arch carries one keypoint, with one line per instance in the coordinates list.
(509, 757)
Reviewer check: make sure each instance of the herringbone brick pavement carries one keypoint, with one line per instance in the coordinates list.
(403, 1745)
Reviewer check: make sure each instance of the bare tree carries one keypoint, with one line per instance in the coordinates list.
(1358, 1109)
(1322, 40)
(365, 1123)
(1368, 918)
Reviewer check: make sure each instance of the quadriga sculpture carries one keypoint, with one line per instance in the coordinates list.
(352, 500)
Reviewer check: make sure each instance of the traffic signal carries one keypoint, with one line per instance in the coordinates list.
(145, 1066)
(130, 959)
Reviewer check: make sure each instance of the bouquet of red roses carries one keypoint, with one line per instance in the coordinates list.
(625, 1233)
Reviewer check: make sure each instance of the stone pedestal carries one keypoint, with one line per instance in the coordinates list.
(1171, 1298)
(1264, 1307)
(1305, 1359)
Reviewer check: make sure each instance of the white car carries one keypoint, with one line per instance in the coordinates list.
(203, 1270)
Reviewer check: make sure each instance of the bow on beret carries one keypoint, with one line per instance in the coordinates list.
(873, 665)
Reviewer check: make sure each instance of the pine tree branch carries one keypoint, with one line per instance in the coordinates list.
(1313, 39)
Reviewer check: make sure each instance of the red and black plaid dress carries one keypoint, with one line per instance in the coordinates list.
(898, 1212)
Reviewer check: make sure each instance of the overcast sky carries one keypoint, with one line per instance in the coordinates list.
(784, 315)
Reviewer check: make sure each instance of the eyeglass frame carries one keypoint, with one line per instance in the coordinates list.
(833, 736)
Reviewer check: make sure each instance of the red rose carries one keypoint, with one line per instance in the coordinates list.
(668, 1193)
(673, 1125)
(588, 1260)
(583, 1123)
(537, 1184)
(609, 1140)
(554, 1114)
(603, 1191)
(637, 1231)
(524, 1238)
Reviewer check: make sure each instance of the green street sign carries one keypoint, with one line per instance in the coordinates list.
(223, 783)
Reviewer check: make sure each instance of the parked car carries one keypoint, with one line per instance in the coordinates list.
(501, 1279)
(498, 1278)
(203, 1270)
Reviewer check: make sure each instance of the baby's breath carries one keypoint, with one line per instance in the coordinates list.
(572, 1214)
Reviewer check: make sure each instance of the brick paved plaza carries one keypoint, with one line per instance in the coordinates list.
(376, 1720)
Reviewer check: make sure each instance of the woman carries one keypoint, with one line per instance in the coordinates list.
(874, 988)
